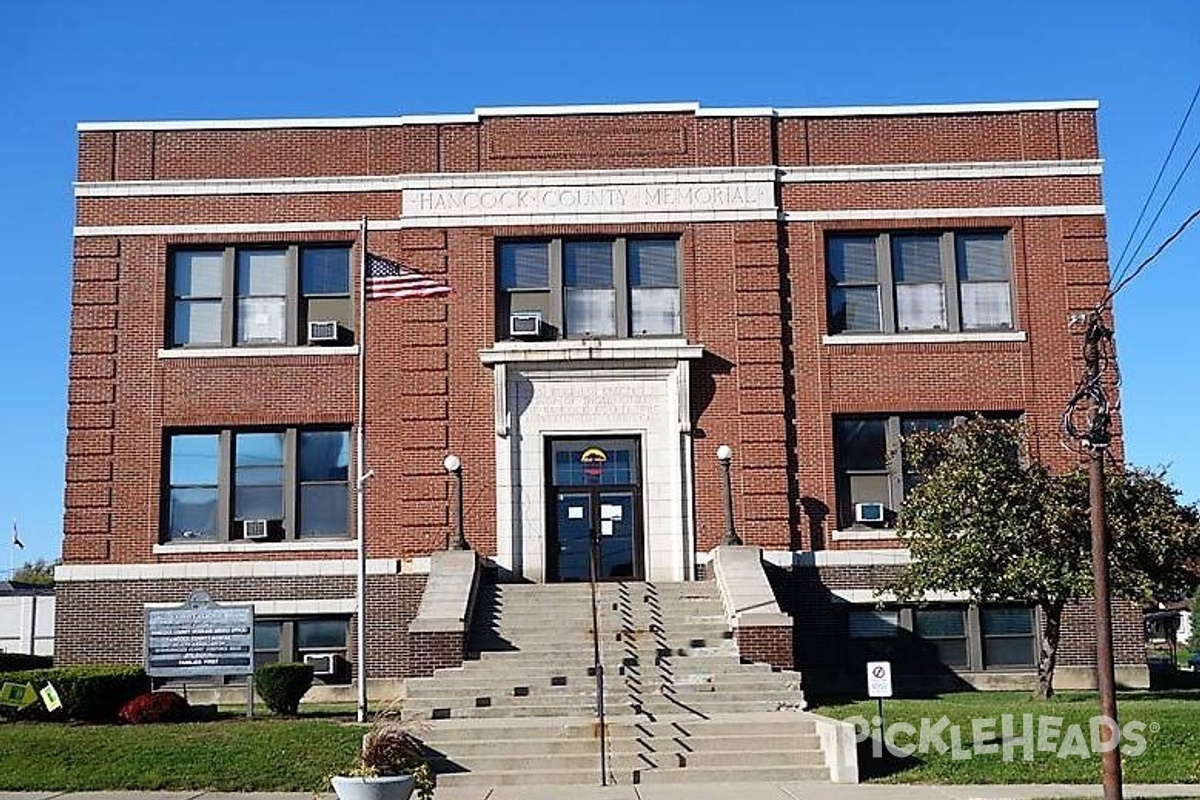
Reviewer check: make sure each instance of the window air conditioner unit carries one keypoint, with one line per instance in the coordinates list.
(256, 528)
(324, 331)
(323, 664)
(869, 512)
(525, 324)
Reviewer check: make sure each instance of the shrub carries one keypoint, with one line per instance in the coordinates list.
(155, 707)
(281, 685)
(14, 662)
(91, 694)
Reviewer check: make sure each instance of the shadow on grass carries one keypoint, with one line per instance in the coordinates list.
(839, 699)
(262, 714)
(876, 763)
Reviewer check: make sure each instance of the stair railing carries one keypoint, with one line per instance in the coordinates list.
(597, 661)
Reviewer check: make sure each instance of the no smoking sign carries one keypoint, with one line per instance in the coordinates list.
(879, 679)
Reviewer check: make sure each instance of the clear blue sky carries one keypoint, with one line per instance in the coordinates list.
(62, 61)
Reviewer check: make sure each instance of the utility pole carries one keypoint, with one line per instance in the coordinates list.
(1096, 436)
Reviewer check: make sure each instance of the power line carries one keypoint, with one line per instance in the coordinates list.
(1149, 259)
(1161, 170)
(1162, 207)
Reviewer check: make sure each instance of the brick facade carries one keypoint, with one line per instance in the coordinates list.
(753, 295)
(772, 646)
(831, 661)
(120, 607)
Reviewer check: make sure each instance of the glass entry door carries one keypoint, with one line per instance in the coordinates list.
(595, 495)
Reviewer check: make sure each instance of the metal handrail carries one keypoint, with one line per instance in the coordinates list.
(597, 662)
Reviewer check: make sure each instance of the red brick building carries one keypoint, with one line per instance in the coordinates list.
(631, 287)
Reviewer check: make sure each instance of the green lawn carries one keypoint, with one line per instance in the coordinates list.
(228, 755)
(1172, 734)
(235, 754)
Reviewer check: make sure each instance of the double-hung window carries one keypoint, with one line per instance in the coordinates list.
(919, 282)
(1009, 637)
(591, 288)
(258, 296)
(945, 632)
(281, 484)
(194, 494)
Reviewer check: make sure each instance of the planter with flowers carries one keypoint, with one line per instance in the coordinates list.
(391, 765)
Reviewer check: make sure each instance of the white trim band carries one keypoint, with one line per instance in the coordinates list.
(841, 173)
(291, 608)
(591, 350)
(239, 124)
(213, 570)
(223, 228)
(576, 110)
(758, 215)
(252, 548)
(939, 213)
(924, 338)
(588, 109)
(871, 535)
(269, 352)
(871, 596)
(941, 108)
(955, 171)
(838, 558)
(237, 228)
(828, 558)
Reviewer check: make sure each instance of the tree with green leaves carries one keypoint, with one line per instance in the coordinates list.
(987, 520)
(1194, 641)
(37, 573)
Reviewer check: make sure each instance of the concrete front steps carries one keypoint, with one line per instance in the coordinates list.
(681, 706)
(763, 746)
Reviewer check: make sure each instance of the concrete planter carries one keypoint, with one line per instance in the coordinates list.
(392, 787)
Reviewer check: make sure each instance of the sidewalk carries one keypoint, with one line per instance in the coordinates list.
(707, 791)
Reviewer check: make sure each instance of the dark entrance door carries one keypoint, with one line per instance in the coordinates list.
(594, 495)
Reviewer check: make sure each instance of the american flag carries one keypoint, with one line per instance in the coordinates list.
(387, 279)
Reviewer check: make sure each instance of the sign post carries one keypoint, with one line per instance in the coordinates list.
(879, 685)
(201, 638)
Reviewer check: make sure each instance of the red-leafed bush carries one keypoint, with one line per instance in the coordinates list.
(154, 707)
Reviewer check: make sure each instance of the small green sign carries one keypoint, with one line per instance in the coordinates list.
(50, 697)
(17, 694)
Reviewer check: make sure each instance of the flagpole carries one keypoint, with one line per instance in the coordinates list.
(360, 595)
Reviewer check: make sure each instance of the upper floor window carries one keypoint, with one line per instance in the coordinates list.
(254, 296)
(287, 484)
(919, 282)
(591, 288)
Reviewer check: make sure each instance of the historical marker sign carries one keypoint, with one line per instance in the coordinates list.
(199, 637)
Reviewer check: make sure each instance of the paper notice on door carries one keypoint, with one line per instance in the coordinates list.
(575, 512)
(606, 527)
(611, 512)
